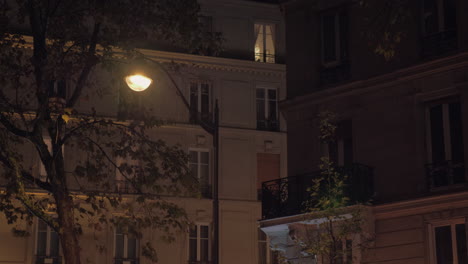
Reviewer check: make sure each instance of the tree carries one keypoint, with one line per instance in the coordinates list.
(386, 21)
(68, 42)
(341, 221)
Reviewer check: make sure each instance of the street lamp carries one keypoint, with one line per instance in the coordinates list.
(139, 82)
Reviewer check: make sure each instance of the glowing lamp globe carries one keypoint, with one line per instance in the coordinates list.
(138, 82)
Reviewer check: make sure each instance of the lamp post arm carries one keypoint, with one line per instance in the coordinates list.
(178, 90)
(209, 128)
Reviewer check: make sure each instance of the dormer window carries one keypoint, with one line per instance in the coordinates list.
(264, 42)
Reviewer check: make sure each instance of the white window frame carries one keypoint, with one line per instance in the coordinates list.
(199, 151)
(125, 246)
(42, 170)
(49, 231)
(337, 61)
(199, 94)
(198, 225)
(432, 242)
(266, 100)
(274, 29)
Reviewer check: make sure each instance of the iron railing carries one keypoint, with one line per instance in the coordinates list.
(289, 196)
(48, 259)
(444, 174)
(126, 261)
(439, 43)
(268, 125)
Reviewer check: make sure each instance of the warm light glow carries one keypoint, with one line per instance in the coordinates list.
(138, 82)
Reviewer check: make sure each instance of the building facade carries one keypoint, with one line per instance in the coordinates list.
(247, 80)
(401, 126)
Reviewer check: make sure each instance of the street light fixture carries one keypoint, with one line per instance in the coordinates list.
(140, 83)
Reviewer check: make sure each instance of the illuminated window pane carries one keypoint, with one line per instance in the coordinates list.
(264, 48)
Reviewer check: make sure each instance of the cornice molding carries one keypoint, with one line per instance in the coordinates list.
(385, 80)
(207, 62)
(217, 63)
(421, 205)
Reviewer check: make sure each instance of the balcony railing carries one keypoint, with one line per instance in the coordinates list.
(126, 261)
(445, 174)
(335, 74)
(268, 125)
(48, 259)
(439, 43)
(288, 196)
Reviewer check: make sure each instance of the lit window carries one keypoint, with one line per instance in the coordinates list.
(444, 140)
(199, 163)
(267, 109)
(126, 248)
(47, 243)
(199, 244)
(448, 242)
(264, 42)
(200, 101)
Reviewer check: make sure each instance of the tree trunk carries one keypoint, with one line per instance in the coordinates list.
(68, 235)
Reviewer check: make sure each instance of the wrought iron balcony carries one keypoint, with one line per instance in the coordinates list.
(48, 259)
(445, 174)
(439, 43)
(268, 125)
(335, 74)
(287, 196)
(126, 261)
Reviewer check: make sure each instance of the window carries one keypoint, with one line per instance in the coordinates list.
(199, 244)
(126, 247)
(341, 151)
(130, 167)
(334, 38)
(267, 109)
(444, 143)
(200, 101)
(439, 16)
(268, 169)
(264, 42)
(265, 254)
(448, 242)
(47, 243)
(42, 170)
(199, 162)
(58, 89)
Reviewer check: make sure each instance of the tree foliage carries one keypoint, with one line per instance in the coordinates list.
(340, 227)
(385, 23)
(45, 42)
